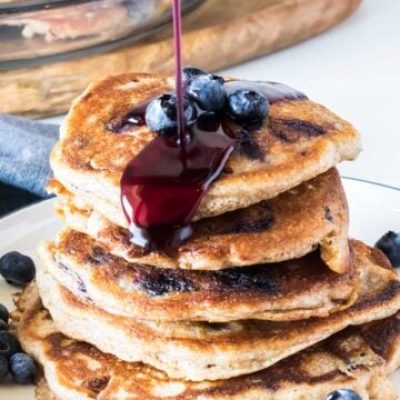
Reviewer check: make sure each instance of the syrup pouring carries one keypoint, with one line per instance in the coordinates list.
(162, 187)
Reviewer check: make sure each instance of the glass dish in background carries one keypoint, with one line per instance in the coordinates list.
(36, 31)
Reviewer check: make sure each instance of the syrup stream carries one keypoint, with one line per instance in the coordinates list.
(163, 186)
(179, 84)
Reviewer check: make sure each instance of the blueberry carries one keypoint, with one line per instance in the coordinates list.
(247, 105)
(344, 394)
(191, 72)
(23, 368)
(4, 314)
(208, 92)
(4, 369)
(16, 268)
(389, 243)
(161, 115)
(8, 344)
(3, 326)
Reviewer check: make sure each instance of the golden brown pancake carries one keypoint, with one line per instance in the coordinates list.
(43, 391)
(289, 226)
(210, 351)
(290, 290)
(78, 371)
(299, 140)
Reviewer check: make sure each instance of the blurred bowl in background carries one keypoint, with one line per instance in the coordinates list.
(34, 32)
(50, 56)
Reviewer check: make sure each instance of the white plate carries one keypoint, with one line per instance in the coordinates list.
(375, 209)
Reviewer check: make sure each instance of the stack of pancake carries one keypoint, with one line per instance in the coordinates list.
(268, 299)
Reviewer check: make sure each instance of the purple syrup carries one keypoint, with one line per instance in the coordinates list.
(162, 187)
(135, 118)
(179, 87)
(164, 184)
(273, 91)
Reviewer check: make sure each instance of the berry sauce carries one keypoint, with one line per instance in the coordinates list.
(273, 91)
(162, 187)
(164, 184)
(179, 87)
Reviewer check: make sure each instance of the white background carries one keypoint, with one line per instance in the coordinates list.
(354, 69)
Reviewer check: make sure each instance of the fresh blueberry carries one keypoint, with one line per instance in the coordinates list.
(191, 72)
(161, 114)
(16, 268)
(344, 394)
(208, 92)
(389, 243)
(3, 326)
(4, 369)
(8, 344)
(4, 314)
(247, 105)
(23, 368)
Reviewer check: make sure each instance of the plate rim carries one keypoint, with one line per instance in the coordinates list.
(383, 185)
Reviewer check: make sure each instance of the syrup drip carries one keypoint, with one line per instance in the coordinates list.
(179, 86)
(162, 187)
(164, 184)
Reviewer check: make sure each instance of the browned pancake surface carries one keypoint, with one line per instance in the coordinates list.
(293, 289)
(343, 361)
(286, 227)
(200, 351)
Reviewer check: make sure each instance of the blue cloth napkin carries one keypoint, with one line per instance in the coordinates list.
(25, 147)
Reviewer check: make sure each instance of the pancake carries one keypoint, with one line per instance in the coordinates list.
(293, 289)
(298, 141)
(43, 391)
(289, 226)
(78, 371)
(203, 351)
